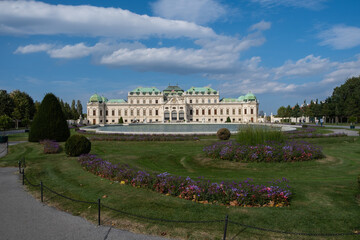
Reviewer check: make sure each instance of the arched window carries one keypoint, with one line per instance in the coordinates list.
(173, 115)
(166, 115)
(181, 115)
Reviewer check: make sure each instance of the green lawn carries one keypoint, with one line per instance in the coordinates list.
(324, 202)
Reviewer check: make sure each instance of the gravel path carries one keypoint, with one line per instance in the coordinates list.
(23, 217)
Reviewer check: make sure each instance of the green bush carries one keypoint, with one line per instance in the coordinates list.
(228, 120)
(223, 134)
(49, 122)
(252, 135)
(304, 126)
(77, 145)
(121, 120)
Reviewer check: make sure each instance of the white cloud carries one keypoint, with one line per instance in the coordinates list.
(308, 4)
(341, 37)
(32, 48)
(307, 66)
(343, 71)
(37, 18)
(260, 26)
(198, 11)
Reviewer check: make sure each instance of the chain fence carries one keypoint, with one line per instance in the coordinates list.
(225, 221)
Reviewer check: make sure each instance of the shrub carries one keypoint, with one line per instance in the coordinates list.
(121, 120)
(250, 135)
(304, 126)
(50, 146)
(228, 120)
(223, 134)
(49, 122)
(77, 145)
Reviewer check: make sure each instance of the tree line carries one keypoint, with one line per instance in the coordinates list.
(342, 106)
(21, 108)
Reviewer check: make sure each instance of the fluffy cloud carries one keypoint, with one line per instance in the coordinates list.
(32, 48)
(199, 11)
(308, 4)
(343, 71)
(260, 26)
(306, 66)
(340, 37)
(32, 18)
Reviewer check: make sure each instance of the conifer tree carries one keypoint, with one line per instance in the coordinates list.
(49, 122)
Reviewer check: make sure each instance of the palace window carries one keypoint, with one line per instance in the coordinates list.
(144, 101)
(144, 112)
(190, 100)
(156, 101)
(131, 112)
(156, 112)
(209, 100)
(191, 112)
(197, 101)
(113, 120)
(203, 101)
(245, 111)
(203, 112)
(131, 101)
(197, 111)
(233, 111)
(215, 101)
(215, 111)
(150, 112)
(100, 112)
(138, 112)
(239, 111)
(106, 112)
(209, 111)
(252, 111)
(227, 111)
(113, 112)
(119, 112)
(150, 101)
(125, 113)
(221, 112)
(138, 101)
(94, 112)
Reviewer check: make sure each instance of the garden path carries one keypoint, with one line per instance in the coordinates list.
(23, 217)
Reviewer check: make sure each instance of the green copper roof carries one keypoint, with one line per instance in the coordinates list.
(229, 100)
(203, 90)
(116, 101)
(145, 90)
(95, 98)
(173, 88)
(250, 97)
(104, 99)
(241, 98)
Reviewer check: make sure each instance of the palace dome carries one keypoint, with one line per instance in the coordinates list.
(250, 97)
(95, 98)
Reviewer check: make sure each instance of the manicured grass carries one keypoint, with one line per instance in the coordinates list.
(18, 137)
(324, 201)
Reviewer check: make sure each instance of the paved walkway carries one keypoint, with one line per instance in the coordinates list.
(347, 132)
(23, 217)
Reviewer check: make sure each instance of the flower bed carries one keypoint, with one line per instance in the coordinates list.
(245, 193)
(272, 152)
(50, 146)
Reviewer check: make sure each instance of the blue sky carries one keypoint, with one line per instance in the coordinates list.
(284, 51)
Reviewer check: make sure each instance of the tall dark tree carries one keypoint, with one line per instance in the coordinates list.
(296, 113)
(49, 122)
(281, 112)
(74, 113)
(6, 104)
(79, 108)
(24, 108)
(288, 112)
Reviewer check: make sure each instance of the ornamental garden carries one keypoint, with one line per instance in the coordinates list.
(302, 181)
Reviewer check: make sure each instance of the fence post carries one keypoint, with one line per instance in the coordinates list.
(19, 166)
(99, 209)
(42, 191)
(225, 228)
(23, 177)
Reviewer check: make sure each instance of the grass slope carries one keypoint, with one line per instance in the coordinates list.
(324, 199)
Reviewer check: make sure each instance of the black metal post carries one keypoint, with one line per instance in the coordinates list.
(99, 210)
(225, 228)
(42, 191)
(19, 166)
(23, 177)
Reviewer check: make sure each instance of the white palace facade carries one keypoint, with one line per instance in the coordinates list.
(150, 105)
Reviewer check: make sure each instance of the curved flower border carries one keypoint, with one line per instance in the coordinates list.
(244, 193)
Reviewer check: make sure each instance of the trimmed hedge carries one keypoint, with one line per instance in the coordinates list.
(77, 145)
(223, 134)
(49, 122)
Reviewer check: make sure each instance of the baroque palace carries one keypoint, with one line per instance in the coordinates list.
(149, 105)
